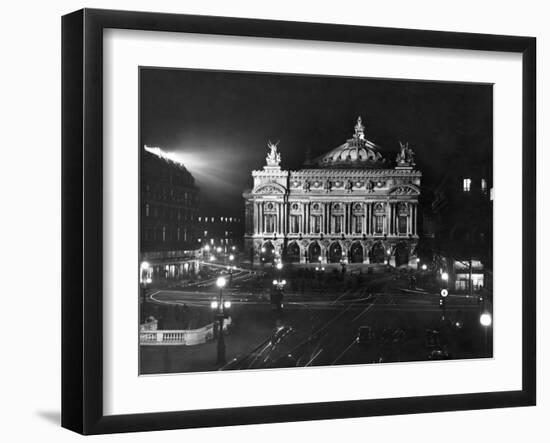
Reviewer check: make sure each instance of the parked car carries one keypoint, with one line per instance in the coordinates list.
(365, 335)
(439, 354)
(433, 340)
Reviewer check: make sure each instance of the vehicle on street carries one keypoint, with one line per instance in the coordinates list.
(365, 335)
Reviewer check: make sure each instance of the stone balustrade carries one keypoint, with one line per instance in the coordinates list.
(184, 337)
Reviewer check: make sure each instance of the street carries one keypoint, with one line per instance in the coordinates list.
(317, 327)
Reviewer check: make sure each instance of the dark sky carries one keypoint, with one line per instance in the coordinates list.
(218, 123)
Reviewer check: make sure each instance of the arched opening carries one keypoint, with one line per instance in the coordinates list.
(377, 253)
(293, 252)
(267, 253)
(335, 253)
(356, 253)
(314, 253)
(401, 254)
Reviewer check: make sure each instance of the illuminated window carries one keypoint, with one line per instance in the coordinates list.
(358, 224)
(146, 210)
(316, 224)
(270, 223)
(379, 224)
(338, 224)
(483, 185)
(467, 183)
(295, 224)
(379, 218)
(402, 217)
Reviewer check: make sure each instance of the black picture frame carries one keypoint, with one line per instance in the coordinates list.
(82, 155)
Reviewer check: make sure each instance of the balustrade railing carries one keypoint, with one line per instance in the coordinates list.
(187, 337)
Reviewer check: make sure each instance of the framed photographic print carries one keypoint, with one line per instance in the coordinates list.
(270, 221)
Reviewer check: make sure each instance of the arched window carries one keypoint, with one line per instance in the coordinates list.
(379, 218)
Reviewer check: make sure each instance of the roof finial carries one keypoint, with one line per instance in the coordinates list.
(359, 129)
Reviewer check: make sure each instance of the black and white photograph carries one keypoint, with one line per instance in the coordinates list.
(293, 221)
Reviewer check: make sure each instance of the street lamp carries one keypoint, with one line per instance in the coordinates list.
(424, 267)
(444, 276)
(231, 269)
(206, 251)
(144, 280)
(277, 299)
(486, 320)
(219, 306)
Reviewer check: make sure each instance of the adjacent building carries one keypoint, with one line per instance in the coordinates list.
(463, 210)
(220, 231)
(350, 205)
(169, 206)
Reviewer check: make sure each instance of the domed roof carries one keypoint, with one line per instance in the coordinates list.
(356, 152)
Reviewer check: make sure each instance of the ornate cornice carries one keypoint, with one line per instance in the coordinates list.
(353, 173)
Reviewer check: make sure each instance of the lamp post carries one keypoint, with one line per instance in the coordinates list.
(220, 307)
(230, 270)
(279, 285)
(443, 302)
(486, 321)
(144, 280)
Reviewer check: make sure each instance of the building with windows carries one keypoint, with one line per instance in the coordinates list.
(350, 205)
(168, 222)
(462, 207)
(220, 231)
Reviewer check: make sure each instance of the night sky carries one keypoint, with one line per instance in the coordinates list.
(218, 123)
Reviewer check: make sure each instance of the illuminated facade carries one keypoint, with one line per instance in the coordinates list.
(346, 206)
(168, 222)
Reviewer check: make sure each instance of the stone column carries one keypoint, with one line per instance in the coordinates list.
(324, 218)
(351, 219)
(365, 215)
(409, 220)
(303, 225)
(415, 219)
(256, 215)
(261, 218)
(391, 224)
(307, 220)
(350, 224)
(345, 227)
(387, 224)
(283, 218)
(369, 217)
(396, 219)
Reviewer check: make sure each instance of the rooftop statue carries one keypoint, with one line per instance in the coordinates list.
(405, 156)
(273, 157)
(359, 129)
